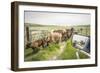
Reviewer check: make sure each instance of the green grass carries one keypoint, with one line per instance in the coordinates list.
(53, 49)
(70, 52)
(83, 56)
(47, 53)
(27, 51)
(44, 54)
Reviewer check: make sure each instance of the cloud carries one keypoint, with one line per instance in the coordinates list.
(54, 18)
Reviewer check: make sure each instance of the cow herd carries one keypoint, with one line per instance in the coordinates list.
(55, 36)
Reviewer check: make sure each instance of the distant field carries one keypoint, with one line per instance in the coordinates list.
(46, 27)
(81, 29)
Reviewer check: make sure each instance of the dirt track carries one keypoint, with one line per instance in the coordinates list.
(62, 47)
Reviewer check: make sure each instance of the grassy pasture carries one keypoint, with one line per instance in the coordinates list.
(44, 54)
(83, 29)
(48, 52)
(70, 52)
(52, 50)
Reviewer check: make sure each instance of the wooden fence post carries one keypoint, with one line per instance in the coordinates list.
(27, 33)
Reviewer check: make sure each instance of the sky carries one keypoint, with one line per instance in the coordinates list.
(55, 18)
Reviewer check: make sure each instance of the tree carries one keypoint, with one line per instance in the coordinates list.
(81, 29)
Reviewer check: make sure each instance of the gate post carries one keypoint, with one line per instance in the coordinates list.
(27, 33)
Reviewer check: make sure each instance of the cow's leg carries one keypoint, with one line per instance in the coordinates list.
(60, 39)
(44, 45)
(48, 43)
(35, 50)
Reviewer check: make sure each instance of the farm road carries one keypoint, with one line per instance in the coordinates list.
(62, 47)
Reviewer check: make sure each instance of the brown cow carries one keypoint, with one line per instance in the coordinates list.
(63, 33)
(35, 45)
(54, 37)
(69, 33)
